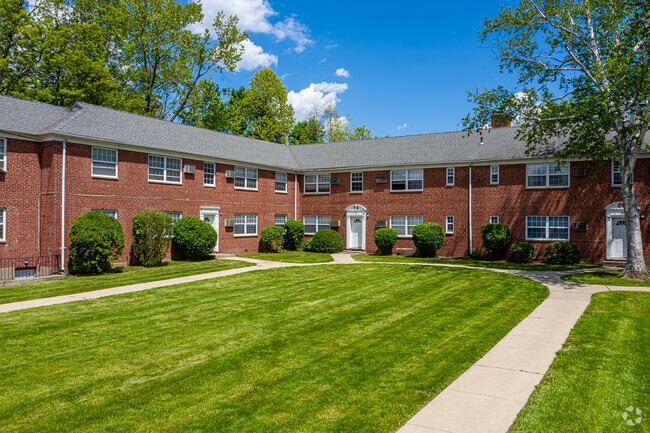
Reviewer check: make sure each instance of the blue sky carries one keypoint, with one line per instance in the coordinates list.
(403, 68)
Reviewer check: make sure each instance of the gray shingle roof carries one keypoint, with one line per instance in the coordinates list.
(28, 117)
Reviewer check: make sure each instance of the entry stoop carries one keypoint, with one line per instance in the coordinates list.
(613, 264)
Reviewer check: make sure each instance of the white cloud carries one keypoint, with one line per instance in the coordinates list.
(255, 16)
(340, 72)
(255, 57)
(323, 60)
(331, 46)
(400, 127)
(316, 95)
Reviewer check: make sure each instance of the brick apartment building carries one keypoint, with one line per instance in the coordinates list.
(121, 163)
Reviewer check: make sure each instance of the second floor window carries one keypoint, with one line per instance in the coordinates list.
(280, 182)
(104, 162)
(356, 182)
(547, 175)
(245, 177)
(164, 169)
(494, 174)
(317, 183)
(616, 173)
(209, 170)
(406, 180)
(450, 176)
(3, 154)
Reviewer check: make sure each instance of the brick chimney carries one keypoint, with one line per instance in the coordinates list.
(500, 121)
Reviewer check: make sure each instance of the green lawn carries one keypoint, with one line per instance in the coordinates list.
(347, 348)
(132, 275)
(606, 278)
(291, 257)
(495, 264)
(601, 371)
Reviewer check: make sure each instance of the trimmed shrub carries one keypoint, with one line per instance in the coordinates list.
(523, 252)
(326, 241)
(294, 232)
(194, 237)
(305, 245)
(428, 238)
(496, 238)
(152, 230)
(385, 240)
(272, 238)
(562, 253)
(96, 240)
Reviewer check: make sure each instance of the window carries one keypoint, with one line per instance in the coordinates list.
(110, 213)
(245, 224)
(494, 219)
(245, 178)
(3, 225)
(280, 182)
(406, 180)
(175, 216)
(450, 176)
(547, 175)
(280, 220)
(449, 228)
(3, 154)
(616, 173)
(209, 171)
(494, 174)
(356, 182)
(547, 228)
(404, 223)
(317, 183)
(164, 169)
(313, 223)
(104, 162)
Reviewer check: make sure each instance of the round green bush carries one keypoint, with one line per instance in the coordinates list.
(272, 238)
(306, 245)
(562, 253)
(523, 252)
(428, 238)
(194, 237)
(326, 241)
(495, 239)
(294, 232)
(152, 230)
(385, 240)
(96, 240)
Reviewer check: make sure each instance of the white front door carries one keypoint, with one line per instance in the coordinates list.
(619, 239)
(355, 240)
(211, 216)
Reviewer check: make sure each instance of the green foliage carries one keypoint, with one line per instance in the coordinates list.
(306, 245)
(272, 238)
(340, 128)
(428, 238)
(562, 253)
(152, 230)
(326, 241)
(496, 238)
(194, 237)
(475, 255)
(385, 240)
(307, 131)
(522, 252)
(96, 240)
(295, 231)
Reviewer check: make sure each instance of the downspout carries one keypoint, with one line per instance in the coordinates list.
(470, 209)
(65, 144)
(295, 197)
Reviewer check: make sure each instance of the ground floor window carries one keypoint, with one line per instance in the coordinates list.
(175, 216)
(547, 228)
(313, 223)
(494, 219)
(3, 225)
(245, 224)
(404, 223)
(450, 224)
(110, 213)
(280, 220)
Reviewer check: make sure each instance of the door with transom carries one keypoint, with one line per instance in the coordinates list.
(211, 216)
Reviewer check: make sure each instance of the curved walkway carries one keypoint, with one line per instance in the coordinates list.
(490, 394)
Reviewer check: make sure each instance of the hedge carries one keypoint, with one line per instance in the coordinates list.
(523, 252)
(562, 253)
(152, 230)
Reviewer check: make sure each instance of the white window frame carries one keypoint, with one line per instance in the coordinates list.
(210, 172)
(166, 169)
(450, 174)
(246, 224)
(409, 173)
(357, 182)
(3, 225)
(321, 181)
(283, 218)
(494, 175)
(547, 228)
(109, 212)
(249, 174)
(319, 223)
(406, 224)
(3, 154)
(285, 182)
(616, 171)
(173, 215)
(108, 163)
(549, 166)
(494, 219)
(449, 221)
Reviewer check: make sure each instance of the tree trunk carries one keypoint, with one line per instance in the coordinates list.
(635, 267)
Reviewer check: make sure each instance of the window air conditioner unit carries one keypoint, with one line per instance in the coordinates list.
(230, 223)
(230, 174)
(580, 226)
(382, 179)
(189, 169)
(580, 171)
(381, 224)
(335, 223)
(335, 180)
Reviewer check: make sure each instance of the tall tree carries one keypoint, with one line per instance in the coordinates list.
(307, 131)
(263, 112)
(585, 75)
(340, 128)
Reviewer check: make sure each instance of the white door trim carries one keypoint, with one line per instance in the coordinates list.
(612, 212)
(355, 211)
(216, 212)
